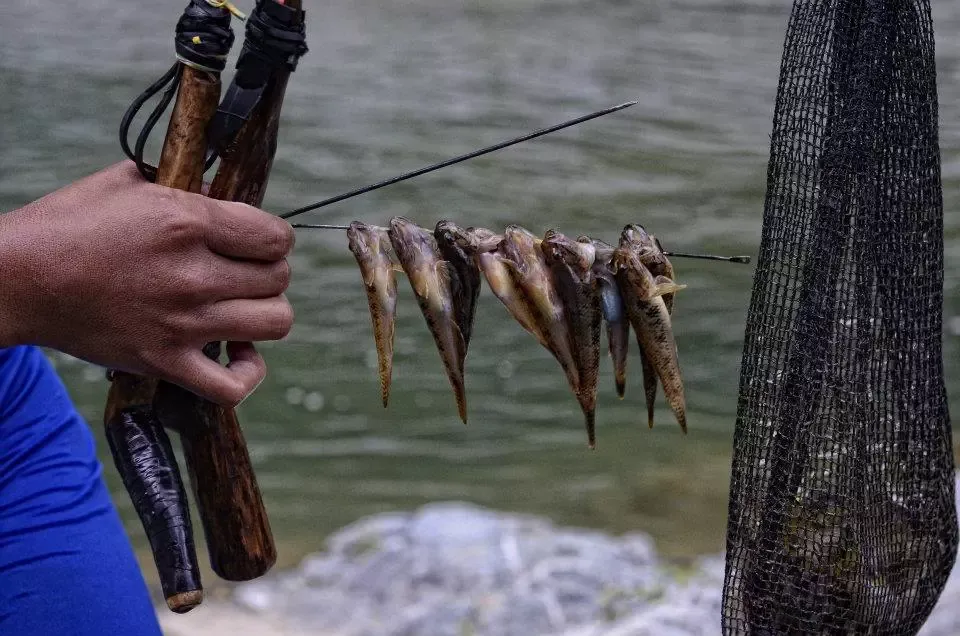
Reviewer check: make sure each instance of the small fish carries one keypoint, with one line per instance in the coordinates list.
(431, 279)
(648, 314)
(525, 259)
(613, 310)
(369, 245)
(651, 254)
(467, 289)
(571, 263)
(648, 248)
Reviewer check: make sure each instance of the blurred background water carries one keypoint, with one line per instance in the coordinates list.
(389, 87)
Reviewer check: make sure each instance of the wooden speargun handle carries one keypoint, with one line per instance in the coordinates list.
(140, 447)
(244, 134)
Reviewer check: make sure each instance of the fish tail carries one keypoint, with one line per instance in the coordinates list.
(618, 338)
(462, 404)
(590, 421)
(621, 382)
(455, 372)
(679, 407)
(385, 373)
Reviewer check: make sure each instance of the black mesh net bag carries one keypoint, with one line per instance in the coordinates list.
(842, 516)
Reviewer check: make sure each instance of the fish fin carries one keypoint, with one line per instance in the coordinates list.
(445, 272)
(664, 285)
(514, 268)
(367, 276)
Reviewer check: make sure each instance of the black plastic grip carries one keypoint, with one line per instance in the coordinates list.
(148, 467)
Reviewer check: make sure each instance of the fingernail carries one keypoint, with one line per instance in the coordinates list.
(255, 387)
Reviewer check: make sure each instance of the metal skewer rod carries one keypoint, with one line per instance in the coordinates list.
(706, 257)
(450, 162)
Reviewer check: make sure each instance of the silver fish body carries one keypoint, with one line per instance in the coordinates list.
(465, 286)
(431, 280)
(571, 264)
(613, 311)
(370, 246)
(648, 249)
(651, 322)
(523, 252)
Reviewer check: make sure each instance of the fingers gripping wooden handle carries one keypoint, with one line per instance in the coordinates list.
(235, 524)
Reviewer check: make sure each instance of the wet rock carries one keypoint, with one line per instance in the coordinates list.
(455, 569)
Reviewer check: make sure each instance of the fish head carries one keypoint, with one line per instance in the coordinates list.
(636, 238)
(558, 248)
(552, 241)
(476, 240)
(414, 246)
(519, 238)
(363, 240)
(406, 231)
(635, 233)
(448, 233)
(519, 246)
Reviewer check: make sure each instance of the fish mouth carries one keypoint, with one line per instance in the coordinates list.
(450, 233)
(519, 236)
(399, 223)
(359, 237)
(479, 240)
(636, 233)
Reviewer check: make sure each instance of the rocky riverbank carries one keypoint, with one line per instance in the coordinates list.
(454, 569)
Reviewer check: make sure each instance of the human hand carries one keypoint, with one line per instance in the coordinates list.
(138, 277)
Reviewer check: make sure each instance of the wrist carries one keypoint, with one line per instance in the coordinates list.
(16, 279)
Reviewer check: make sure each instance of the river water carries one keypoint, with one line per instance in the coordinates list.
(390, 86)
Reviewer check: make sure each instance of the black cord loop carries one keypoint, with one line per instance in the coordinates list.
(203, 40)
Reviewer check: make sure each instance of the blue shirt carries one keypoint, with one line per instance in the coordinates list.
(66, 564)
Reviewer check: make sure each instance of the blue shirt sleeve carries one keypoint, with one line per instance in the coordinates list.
(66, 564)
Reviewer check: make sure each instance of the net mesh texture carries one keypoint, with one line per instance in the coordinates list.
(842, 517)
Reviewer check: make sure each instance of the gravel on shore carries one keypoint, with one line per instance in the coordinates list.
(456, 569)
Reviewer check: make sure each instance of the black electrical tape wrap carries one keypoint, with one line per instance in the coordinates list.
(211, 27)
(275, 40)
(148, 467)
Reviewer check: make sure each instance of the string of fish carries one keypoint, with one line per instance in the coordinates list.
(561, 290)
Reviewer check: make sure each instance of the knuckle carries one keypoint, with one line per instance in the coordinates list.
(281, 240)
(193, 285)
(178, 223)
(280, 322)
(283, 275)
